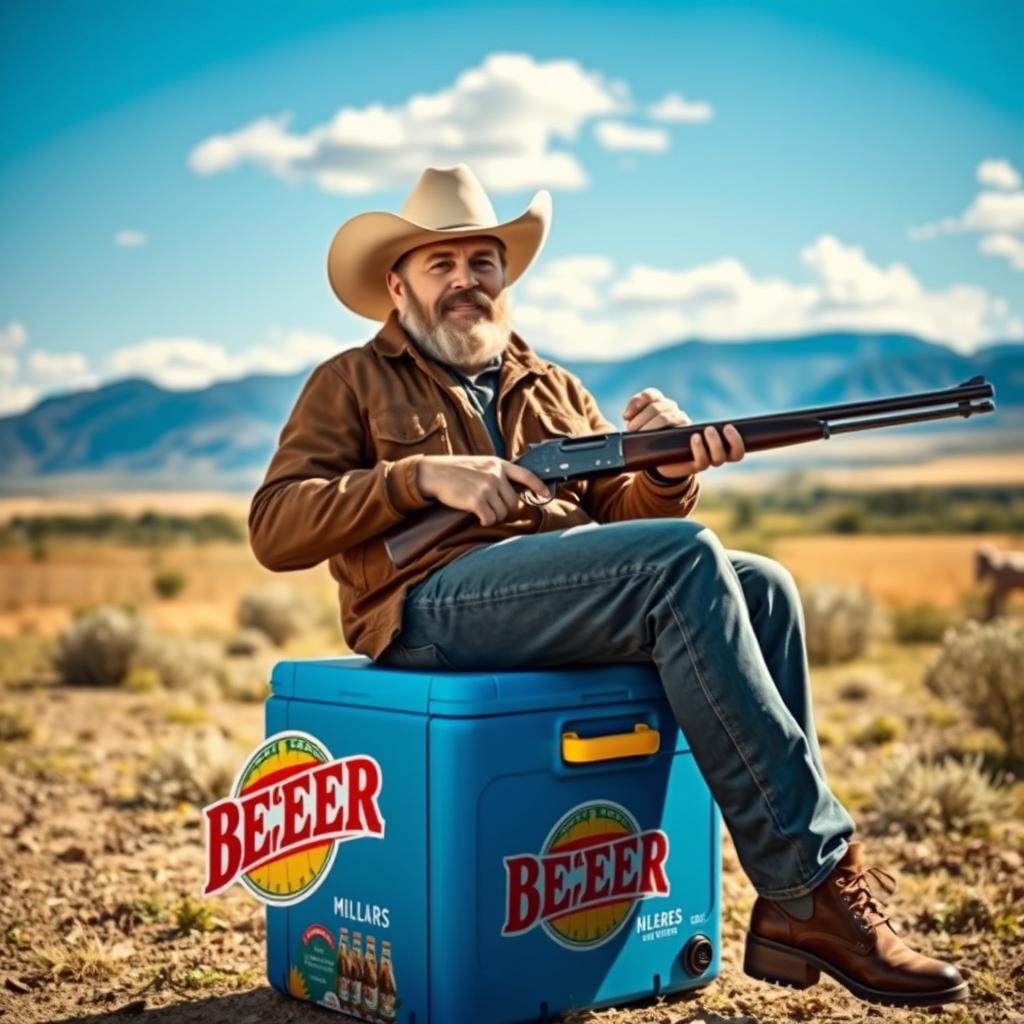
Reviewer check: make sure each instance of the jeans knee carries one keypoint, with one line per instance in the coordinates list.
(779, 588)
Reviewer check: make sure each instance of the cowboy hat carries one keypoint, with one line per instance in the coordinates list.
(447, 202)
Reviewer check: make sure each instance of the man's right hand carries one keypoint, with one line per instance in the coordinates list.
(481, 484)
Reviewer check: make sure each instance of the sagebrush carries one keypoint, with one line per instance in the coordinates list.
(980, 665)
(841, 621)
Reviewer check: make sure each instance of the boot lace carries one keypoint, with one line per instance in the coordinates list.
(856, 892)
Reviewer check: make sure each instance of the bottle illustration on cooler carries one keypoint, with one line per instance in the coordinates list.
(355, 973)
(386, 987)
(343, 969)
(370, 991)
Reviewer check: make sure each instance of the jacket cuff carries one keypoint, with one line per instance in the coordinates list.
(666, 481)
(668, 498)
(402, 490)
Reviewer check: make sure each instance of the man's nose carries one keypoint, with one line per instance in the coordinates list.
(464, 276)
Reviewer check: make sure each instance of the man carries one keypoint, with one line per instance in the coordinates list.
(431, 410)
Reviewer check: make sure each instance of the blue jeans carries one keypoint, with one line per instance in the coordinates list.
(725, 630)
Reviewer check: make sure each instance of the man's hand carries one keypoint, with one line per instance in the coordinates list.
(481, 484)
(650, 409)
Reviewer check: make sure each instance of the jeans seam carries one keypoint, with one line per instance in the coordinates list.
(658, 575)
(428, 603)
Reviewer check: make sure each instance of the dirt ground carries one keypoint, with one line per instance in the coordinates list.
(99, 915)
(98, 920)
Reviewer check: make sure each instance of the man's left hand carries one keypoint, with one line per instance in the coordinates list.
(650, 409)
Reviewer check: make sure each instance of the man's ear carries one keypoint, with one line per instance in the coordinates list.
(396, 286)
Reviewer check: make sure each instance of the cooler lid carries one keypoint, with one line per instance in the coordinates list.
(357, 681)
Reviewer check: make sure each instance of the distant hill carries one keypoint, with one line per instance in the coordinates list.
(135, 434)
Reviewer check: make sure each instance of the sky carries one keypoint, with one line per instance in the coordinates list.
(172, 173)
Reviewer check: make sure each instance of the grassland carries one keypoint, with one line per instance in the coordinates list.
(98, 915)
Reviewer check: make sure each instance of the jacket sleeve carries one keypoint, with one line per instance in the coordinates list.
(635, 494)
(318, 497)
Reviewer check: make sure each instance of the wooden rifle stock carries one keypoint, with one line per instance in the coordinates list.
(573, 458)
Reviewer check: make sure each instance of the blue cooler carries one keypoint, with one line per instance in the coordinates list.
(529, 843)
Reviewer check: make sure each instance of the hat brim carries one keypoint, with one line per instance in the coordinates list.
(366, 247)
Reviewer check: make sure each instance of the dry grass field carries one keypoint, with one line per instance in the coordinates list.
(101, 787)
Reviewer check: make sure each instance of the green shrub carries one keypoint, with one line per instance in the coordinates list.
(920, 623)
(841, 622)
(15, 723)
(980, 665)
(881, 729)
(279, 611)
(920, 797)
(169, 583)
(97, 648)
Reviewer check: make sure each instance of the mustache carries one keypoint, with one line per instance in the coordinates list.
(472, 295)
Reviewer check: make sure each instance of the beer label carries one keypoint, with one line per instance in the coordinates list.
(594, 867)
(356, 993)
(387, 1006)
(343, 989)
(369, 996)
(291, 805)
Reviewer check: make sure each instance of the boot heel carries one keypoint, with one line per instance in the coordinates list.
(768, 964)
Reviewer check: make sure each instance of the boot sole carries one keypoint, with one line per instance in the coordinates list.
(778, 964)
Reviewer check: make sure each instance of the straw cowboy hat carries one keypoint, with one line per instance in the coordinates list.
(447, 202)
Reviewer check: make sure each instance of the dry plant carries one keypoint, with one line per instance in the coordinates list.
(97, 648)
(15, 723)
(921, 797)
(83, 956)
(197, 769)
(980, 665)
(184, 665)
(280, 612)
(841, 621)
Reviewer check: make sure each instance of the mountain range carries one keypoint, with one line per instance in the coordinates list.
(134, 434)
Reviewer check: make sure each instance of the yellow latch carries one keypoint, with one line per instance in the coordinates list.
(642, 740)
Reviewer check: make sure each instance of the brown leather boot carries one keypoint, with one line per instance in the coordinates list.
(843, 933)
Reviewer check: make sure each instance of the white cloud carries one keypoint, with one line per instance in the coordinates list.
(503, 118)
(1008, 246)
(996, 215)
(571, 282)
(182, 363)
(672, 107)
(44, 372)
(129, 238)
(999, 174)
(617, 135)
(13, 335)
(66, 370)
(643, 307)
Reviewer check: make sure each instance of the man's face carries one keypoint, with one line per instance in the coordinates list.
(451, 297)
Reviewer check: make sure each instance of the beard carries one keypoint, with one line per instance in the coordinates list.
(468, 346)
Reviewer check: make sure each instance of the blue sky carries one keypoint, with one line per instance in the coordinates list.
(719, 170)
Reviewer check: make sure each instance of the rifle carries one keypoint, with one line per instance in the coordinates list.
(576, 458)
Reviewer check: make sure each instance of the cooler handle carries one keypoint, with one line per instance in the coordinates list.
(641, 741)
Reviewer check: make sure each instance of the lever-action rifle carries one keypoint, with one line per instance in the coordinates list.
(575, 458)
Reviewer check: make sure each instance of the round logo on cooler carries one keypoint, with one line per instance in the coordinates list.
(590, 825)
(592, 869)
(293, 873)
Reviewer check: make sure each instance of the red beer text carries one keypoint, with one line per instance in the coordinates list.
(320, 803)
(546, 887)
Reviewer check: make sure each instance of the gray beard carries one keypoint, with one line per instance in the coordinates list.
(467, 348)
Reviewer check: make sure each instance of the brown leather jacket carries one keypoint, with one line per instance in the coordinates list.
(345, 470)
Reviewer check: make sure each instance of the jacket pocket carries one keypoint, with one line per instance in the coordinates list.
(559, 423)
(402, 431)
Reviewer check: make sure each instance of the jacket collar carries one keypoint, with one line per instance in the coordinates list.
(391, 340)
